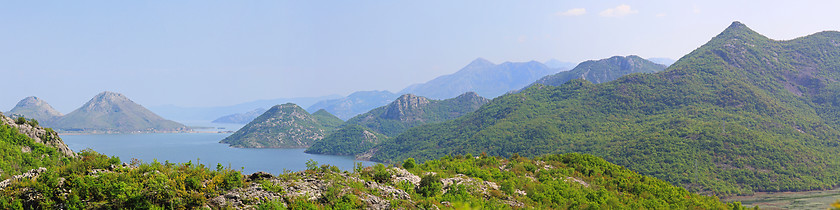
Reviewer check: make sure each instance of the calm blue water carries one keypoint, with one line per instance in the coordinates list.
(183, 147)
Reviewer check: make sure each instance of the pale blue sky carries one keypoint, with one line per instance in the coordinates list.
(210, 53)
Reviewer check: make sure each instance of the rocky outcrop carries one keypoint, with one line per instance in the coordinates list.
(307, 185)
(39, 135)
(28, 175)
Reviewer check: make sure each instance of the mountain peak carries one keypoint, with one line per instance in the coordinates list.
(35, 108)
(738, 30)
(110, 96)
(480, 62)
(114, 112)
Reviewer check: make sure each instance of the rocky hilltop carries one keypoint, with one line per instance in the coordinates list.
(604, 70)
(282, 126)
(110, 112)
(34, 108)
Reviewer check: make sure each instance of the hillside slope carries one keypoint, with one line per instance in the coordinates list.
(740, 114)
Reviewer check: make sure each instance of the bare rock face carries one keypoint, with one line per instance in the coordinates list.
(39, 135)
(400, 109)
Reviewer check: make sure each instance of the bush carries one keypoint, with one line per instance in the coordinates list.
(409, 163)
(20, 120)
(381, 174)
(430, 185)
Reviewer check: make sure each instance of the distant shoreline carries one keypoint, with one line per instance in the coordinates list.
(108, 132)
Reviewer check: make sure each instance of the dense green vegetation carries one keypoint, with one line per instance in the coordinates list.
(349, 140)
(328, 121)
(742, 113)
(604, 70)
(19, 153)
(94, 181)
(283, 126)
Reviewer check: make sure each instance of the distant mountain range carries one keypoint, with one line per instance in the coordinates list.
(557, 64)
(240, 118)
(106, 112)
(193, 114)
(355, 103)
(663, 61)
(482, 77)
(604, 70)
(284, 126)
(362, 132)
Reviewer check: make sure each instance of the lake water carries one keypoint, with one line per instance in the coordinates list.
(203, 147)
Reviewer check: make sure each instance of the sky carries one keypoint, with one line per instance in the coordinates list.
(203, 53)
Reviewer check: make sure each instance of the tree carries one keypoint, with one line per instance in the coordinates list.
(409, 163)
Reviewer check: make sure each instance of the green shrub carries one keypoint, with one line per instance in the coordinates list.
(430, 185)
(409, 163)
(20, 120)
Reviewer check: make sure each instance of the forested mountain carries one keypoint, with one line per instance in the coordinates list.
(355, 103)
(34, 108)
(329, 121)
(740, 114)
(362, 132)
(113, 112)
(240, 118)
(282, 126)
(604, 70)
(483, 77)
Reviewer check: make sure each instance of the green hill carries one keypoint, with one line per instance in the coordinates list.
(362, 132)
(282, 126)
(604, 70)
(740, 114)
(329, 121)
(113, 112)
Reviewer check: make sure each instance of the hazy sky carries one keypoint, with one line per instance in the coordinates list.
(209, 53)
